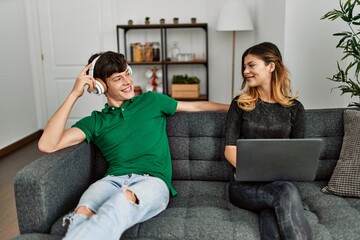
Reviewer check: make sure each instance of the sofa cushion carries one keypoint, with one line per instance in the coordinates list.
(330, 216)
(345, 180)
(197, 143)
(320, 124)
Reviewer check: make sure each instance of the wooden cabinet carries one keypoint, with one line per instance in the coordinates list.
(184, 62)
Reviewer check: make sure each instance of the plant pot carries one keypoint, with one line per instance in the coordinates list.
(176, 20)
(193, 20)
(162, 21)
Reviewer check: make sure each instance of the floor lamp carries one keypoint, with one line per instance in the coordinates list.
(234, 16)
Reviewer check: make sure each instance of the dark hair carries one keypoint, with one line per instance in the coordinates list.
(108, 64)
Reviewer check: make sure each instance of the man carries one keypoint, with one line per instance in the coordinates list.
(131, 134)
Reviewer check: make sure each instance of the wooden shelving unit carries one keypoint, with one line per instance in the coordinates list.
(164, 62)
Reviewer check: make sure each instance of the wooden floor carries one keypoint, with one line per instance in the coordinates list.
(9, 166)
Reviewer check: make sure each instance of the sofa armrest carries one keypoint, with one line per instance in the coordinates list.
(52, 185)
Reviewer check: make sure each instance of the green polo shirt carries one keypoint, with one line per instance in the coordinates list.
(133, 138)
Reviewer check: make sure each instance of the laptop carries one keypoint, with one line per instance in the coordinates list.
(277, 159)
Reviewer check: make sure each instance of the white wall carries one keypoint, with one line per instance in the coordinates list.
(310, 52)
(306, 42)
(269, 18)
(18, 116)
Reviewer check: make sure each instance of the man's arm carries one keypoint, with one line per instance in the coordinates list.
(55, 137)
(201, 106)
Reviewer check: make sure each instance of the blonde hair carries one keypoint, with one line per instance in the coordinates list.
(280, 81)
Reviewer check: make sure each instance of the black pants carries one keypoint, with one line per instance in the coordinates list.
(280, 207)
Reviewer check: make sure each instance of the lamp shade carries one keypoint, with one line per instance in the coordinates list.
(234, 16)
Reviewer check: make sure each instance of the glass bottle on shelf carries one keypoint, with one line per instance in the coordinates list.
(148, 52)
(156, 51)
(175, 50)
(137, 52)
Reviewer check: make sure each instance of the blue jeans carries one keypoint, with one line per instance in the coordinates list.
(114, 213)
(279, 205)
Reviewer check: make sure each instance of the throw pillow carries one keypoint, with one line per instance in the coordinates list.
(345, 180)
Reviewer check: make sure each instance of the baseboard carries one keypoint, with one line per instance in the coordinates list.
(19, 144)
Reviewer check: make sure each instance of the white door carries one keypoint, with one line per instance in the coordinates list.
(70, 32)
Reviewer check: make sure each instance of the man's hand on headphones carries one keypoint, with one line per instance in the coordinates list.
(82, 80)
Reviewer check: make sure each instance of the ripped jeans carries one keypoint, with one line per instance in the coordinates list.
(279, 205)
(114, 213)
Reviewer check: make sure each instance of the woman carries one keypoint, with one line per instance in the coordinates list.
(266, 109)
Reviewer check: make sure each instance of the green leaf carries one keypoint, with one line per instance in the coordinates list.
(356, 17)
(342, 40)
(332, 15)
(350, 10)
(343, 34)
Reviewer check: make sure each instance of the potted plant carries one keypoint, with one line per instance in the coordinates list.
(193, 20)
(349, 42)
(147, 20)
(130, 22)
(176, 20)
(185, 87)
(162, 20)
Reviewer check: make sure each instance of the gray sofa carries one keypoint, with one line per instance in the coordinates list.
(50, 187)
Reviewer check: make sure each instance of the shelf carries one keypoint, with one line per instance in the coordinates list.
(186, 62)
(203, 97)
(168, 62)
(145, 63)
(157, 26)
